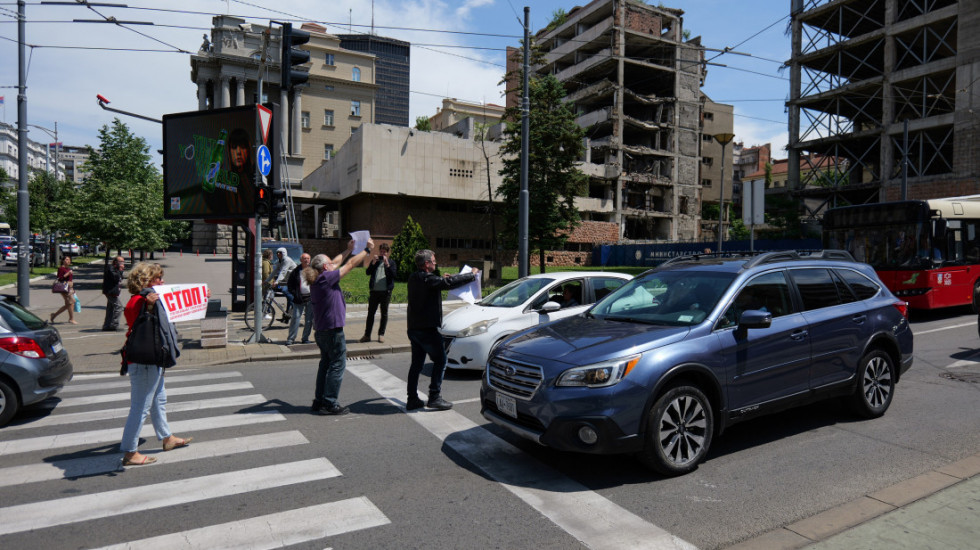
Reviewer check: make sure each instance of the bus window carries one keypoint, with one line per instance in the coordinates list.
(5, 229)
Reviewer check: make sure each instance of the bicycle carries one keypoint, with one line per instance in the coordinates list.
(269, 306)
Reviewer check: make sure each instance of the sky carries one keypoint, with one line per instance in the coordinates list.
(457, 51)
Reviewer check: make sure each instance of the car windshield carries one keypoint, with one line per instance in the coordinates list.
(515, 293)
(674, 298)
(17, 318)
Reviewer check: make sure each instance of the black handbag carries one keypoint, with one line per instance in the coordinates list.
(144, 344)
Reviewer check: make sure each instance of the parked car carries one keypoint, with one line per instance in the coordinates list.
(33, 362)
(470, 332)
(37, 257)
(669, 360)
(69, 249)
(6, 245)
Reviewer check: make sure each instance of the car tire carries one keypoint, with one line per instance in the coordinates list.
(875, 386)
(976, 297)
(679, 430)
(9, 403)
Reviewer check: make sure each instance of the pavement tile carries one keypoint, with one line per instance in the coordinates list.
(963, 469)
(838, 519)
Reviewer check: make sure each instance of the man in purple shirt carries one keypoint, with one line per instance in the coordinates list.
(329, 312)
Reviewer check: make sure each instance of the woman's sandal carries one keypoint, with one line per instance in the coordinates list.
(141, 461)
(176, 443)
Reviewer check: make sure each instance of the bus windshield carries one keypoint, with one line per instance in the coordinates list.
(886, 235)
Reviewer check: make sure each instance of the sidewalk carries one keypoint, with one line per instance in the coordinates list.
(937, 509)
(92, 350)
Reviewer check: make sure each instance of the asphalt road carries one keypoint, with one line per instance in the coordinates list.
(383, 478)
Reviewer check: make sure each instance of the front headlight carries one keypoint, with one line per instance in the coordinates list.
(479, 327)
(599, 375)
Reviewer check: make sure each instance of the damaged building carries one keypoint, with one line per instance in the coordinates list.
(636, 87)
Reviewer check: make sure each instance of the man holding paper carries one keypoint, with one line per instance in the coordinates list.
(424, 319)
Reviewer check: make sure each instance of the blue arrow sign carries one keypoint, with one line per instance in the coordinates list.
(265, 160)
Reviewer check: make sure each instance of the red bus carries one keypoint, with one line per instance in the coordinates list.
(926, 252)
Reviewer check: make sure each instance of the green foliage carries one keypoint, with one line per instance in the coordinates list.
(783, 215)
(422, 124)
(45, 194)
(709, 210)
(737, 230)
(406, 243)
(121, 202)
(554, 180)
(558, 18)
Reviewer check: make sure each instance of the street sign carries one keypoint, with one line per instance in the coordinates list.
(264, 158)
(265, 120)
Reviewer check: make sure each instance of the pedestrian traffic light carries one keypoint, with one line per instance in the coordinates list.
(293, 56)
(263, 200)
(277, 202)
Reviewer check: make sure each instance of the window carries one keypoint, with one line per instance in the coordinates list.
(355, 108)
(604, 285)
(705, 137)
(328, 59)
(768, 292)
(705, 183)
(355, 74)
(327, 151)
(328, 117)
(353, 129)
(709, 116)
(708, 161)
(817, 288)
(862, 286)
(305, 119)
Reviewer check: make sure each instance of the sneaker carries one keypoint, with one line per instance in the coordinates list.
(284, 319)
(305, 342)
(267, 316)
(381, 338)
(439, 403)
(317, 405)
(365, 338)
(289, 343)
(336, 410)
(414, 403)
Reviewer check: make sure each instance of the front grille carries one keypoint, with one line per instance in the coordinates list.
(518, 379)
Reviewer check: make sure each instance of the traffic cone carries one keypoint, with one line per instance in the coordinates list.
(181, 252)
(198, 252)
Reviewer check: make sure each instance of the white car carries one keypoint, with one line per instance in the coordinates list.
(470, 332)
(70, 249)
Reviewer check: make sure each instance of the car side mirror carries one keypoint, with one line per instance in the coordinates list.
(755, 318)
(548, 307)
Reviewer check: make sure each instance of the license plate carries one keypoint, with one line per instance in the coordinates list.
(57, 347)
(507, 405)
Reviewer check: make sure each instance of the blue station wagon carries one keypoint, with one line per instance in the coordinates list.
(666, 362)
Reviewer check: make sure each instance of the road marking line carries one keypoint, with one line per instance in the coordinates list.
(109, 397)
(123, 382)
(273, 530)
(472, 400)
(115, 434)
(586, 515)
(943, 328)
(122, 412)
(112, 462)
(51, 513)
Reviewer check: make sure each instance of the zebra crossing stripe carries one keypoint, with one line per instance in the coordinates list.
(122, 412)
(112, 462)
(115, 434)
(271, 531)
(110, 397)
(123, 381)
(586, 515)
(51, 513)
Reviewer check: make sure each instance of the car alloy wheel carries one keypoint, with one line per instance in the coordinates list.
(875, 386)
(679, 431)
(9, 403)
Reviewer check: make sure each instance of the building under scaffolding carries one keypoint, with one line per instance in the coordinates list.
(867, 73)
(636, 86)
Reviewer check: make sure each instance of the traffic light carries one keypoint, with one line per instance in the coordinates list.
(263, 198)
(277, 207)
(293, 56)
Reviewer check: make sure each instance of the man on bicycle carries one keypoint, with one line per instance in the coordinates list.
(279, 276)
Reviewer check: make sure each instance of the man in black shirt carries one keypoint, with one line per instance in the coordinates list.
(112, 283)
(424, 319)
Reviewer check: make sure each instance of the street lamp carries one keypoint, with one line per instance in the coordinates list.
(724, 140)
(54, 134)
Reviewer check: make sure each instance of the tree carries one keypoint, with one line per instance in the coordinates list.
(422, 124)
(407, 242)
(45, 194)
(554, 180)
(121, 202)
(481, 130)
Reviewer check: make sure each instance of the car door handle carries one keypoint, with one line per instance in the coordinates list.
(798, 335)
(859, 319)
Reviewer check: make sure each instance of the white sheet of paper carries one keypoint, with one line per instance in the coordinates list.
(360, 240)
(184, 302)
(469, 292)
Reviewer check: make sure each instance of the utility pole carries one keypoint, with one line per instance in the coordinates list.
(525, 151)
(724, 140)
(23, 197)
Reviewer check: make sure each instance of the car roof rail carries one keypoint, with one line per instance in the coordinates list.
(790, 255)
(832, 254)
(771, 257)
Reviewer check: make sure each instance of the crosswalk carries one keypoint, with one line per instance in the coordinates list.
(76, 439)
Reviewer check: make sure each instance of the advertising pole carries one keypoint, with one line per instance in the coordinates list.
(257, 297)
(23, 198)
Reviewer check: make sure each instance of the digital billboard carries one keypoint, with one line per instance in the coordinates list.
(209, 163)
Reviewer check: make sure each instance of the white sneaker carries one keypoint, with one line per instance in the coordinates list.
(267, 317)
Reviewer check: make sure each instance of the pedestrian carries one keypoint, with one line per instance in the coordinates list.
(382, 271)
(424, 319)
(146, 389)
(112, 283)
(277, 279)
(300, 289)
(65, 277)
(329, 312)
(266, 271)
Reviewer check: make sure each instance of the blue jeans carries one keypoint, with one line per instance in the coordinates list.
(147, 395)
(426, 342)
(333, 361)
(299, 310)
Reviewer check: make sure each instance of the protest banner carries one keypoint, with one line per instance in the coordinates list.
(184, 302)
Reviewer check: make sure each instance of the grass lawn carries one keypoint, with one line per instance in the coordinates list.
(356, 282)
(11, 278)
